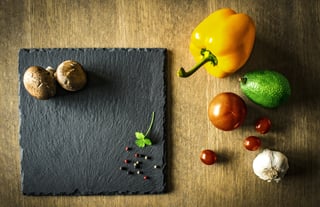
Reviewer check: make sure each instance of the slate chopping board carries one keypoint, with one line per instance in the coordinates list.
(74, 143)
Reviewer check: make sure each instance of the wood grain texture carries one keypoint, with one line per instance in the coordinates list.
(288, 40)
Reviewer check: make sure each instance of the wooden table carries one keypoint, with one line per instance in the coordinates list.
(287, 40)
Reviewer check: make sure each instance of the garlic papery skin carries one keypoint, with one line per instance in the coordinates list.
(270, 165)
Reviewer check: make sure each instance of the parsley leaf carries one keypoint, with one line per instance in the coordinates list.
(142, 139)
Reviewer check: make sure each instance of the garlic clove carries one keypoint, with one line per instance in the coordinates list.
(270, 165)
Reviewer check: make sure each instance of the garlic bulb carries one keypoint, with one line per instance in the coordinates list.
(270, 165)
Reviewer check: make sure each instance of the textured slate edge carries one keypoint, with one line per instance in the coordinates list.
(165, 134)
(116, 192)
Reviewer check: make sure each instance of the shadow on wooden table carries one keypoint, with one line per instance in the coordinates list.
(294, 121)
(168, 127)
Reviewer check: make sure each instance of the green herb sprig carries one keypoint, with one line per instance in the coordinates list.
(142, 139)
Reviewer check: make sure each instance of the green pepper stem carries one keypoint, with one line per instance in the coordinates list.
(207, 56)
(150, 126)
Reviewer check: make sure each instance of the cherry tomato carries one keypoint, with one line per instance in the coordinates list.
(208, 157)
(252, 143)
(263, 125)
(227, 111)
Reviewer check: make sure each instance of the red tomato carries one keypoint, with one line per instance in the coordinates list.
(208, 157)
(252, 143)
(227, 111)
(263, 125)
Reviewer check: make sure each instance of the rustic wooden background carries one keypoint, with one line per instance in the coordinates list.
(288, 40)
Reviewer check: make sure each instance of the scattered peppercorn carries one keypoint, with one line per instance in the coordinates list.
(136, 164)
(137, 155)
(123, 168)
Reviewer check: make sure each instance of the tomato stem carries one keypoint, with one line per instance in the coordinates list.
(207, 56)
(243, 80)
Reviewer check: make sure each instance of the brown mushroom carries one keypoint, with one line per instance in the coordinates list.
(39, 82)
(71, 76)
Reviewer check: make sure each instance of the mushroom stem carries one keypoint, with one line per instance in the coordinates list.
(51, 70)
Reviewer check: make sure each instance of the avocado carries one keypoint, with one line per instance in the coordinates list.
(266, 88)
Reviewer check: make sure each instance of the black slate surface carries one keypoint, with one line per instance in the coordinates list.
(74, 143)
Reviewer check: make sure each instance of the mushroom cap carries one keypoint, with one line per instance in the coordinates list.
(39, 82)
(71, 75)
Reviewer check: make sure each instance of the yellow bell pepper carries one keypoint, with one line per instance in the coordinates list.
(222, 43)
